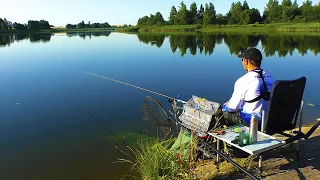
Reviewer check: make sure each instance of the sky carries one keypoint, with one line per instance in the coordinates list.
(115, 12)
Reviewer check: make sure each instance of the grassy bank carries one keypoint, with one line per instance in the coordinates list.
(58, 30)
(297, 27)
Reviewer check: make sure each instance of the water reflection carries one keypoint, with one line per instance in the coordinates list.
(43, 37)
(153, 39)
(88, 34)
(204, 43)
(6, 40)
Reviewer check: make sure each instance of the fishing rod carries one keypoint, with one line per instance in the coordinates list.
(104, 127)
(171, 99)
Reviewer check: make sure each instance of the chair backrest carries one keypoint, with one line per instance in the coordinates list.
(284, 105)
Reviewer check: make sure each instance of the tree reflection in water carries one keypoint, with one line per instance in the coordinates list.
(204, 43)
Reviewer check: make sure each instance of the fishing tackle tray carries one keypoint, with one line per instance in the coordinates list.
(199, 114)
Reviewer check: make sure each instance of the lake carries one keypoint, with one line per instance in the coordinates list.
(49, 105)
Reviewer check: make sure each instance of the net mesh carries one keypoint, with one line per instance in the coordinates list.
(153, 111)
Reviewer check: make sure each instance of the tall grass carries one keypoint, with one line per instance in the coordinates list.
(155, 160)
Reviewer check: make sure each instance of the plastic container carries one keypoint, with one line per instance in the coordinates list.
(244, 139)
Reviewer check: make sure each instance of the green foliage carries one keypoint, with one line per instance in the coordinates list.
(38, 25)
(82, 25)
(44, 24)
(154, 160)
(239, 13)
(209, 15)
(173, 14)
(200, 15)
(221, 19)
(182, 15)
(3, 25)
(193, 13)
(18, 26)
(153, 20)
(234, 14)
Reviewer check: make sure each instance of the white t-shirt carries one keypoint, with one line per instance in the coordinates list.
(246, 88)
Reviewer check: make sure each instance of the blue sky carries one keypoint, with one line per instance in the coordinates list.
(62, 12)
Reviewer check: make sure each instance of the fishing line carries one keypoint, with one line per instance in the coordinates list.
(91, 117)
(137, 87)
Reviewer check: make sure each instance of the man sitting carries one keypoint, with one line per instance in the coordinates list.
(251, 91)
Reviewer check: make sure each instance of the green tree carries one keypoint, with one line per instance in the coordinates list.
(95, 25)
(193, 13)
(33, 25)
(143, 21)
(81, 25)
(105, 25)
(200, 15)
(317, 11)
(273, 12)
(71, 26)
(270, 6)
(173, 14)
(152, 20)
(307, 11)
(286, 3)
(255, 16)
(245, 17)
(209, 16)
(182, 15)
(44, 24)
(234, 13)
(3, 25)
(18, 26)
(88, 25)
(9, 24)
(159, 19)
(245, 5)
(221, 19)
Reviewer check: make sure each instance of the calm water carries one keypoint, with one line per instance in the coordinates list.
(45, 135)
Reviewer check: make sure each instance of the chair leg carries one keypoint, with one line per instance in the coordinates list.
(300, 127)
(260, 165)
(218, 158)
(298, 151)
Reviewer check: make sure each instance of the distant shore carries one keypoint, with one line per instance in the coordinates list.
(250, 28)
(57, 30)
(266, 28)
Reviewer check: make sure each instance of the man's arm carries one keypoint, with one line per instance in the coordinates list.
(236, 101)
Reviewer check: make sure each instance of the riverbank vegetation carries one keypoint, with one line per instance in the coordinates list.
(286, 15)
(43, 26)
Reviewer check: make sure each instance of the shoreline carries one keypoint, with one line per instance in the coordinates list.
(55, 30)
(253, 28)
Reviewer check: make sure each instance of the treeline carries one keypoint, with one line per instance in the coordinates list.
(82, 25)
(239, 13)
(204, 43)
(6, 25)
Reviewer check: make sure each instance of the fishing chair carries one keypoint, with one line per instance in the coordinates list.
(285, 109)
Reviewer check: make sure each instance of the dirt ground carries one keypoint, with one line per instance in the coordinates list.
(278, 164)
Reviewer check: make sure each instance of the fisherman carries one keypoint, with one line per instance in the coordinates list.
(251, 91)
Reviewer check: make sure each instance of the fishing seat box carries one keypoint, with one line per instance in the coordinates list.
(200, 115)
